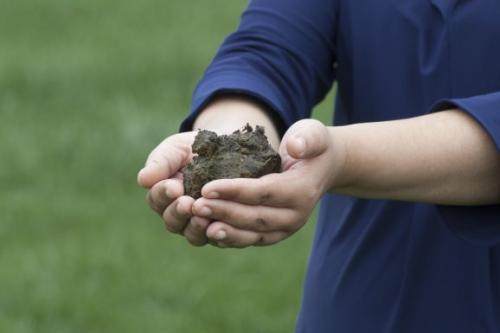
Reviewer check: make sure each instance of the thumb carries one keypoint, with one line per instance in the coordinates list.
(166, 160)
(306, 139)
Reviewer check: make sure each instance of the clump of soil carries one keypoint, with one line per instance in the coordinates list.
(243, 154)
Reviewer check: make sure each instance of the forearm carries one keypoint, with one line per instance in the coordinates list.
(444, 158)
(225, 115)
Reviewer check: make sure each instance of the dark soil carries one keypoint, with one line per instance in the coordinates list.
(243, 154)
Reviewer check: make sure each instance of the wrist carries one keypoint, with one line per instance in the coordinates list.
(341, 173)
(227, 113)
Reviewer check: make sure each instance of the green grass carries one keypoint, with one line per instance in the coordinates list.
(87, 89)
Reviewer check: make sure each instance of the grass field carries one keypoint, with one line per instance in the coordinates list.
(87, 89)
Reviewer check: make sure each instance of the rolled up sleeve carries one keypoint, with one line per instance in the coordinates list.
(282, 55)
(478, 224)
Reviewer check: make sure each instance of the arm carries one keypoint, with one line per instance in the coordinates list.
(282, 55)
(442, 158)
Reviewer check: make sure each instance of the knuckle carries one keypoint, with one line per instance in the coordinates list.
(261, 224)
(264, 221)
(265, 196)
(264, 192)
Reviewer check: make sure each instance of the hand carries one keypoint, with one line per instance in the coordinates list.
(166, 191)
(264, 211)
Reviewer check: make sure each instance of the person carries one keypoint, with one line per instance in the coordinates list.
(408, 234)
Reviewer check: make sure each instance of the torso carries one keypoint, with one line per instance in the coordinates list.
(395, 267)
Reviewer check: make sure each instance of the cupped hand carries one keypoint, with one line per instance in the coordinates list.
(161, 176)
(264, 211)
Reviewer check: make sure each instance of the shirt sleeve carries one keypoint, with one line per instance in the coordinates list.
(479, 224)
(282, 55)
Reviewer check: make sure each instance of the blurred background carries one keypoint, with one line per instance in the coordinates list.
(87, 89)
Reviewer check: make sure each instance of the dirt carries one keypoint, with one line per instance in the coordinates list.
(244, 154)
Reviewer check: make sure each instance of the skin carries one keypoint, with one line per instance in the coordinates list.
(164, 183)
(441, 158)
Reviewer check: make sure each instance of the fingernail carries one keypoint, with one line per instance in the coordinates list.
(220, 235)
(204, 211)
(212, 195)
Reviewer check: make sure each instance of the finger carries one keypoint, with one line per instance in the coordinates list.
(260, 191)
(179, 176)
(177, 214)
(254, 218)
(166, 159)
(163, 193)
(305, 139)
(270, 238)
(195, 231)
(224, 235)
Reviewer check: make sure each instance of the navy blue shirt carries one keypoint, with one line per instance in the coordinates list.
(380, 266)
